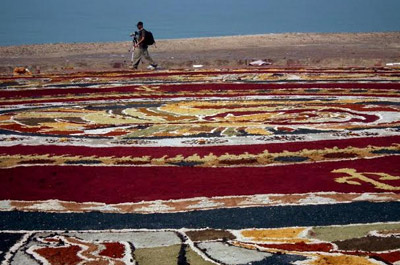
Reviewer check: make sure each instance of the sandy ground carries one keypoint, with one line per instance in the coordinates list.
(283, 50)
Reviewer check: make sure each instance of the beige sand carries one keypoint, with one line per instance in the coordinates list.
(282, 50)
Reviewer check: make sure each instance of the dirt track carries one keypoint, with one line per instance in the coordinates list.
(295, 49)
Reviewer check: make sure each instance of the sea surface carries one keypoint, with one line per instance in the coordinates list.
(54, 21)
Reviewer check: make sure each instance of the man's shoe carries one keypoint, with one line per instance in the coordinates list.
(154, 65)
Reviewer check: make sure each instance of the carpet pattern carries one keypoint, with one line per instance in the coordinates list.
(247, 166)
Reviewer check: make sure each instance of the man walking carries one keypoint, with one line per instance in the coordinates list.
(141, 48)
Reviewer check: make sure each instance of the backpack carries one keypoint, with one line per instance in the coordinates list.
(149, 39)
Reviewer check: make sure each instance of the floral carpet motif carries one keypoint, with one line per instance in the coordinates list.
(246, 166)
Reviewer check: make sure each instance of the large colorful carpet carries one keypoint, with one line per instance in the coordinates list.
(248, 166)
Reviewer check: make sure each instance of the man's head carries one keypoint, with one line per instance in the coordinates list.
(139, 25)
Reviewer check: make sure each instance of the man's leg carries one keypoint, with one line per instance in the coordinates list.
(146, 55)
(137, 57)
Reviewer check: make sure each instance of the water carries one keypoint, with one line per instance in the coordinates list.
(53, 21)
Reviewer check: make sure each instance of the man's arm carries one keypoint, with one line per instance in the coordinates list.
(141, 38)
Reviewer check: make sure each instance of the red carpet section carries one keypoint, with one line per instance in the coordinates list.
(260, 166)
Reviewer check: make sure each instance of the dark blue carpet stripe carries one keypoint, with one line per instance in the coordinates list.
(236, 218)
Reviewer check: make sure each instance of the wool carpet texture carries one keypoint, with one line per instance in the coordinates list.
(230, 167)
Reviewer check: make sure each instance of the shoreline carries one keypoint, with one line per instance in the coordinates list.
(208, 37)
(280, 49)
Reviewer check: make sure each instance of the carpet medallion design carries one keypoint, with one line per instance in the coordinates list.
(246, 166)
